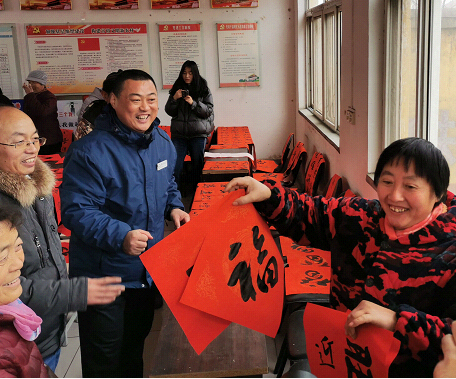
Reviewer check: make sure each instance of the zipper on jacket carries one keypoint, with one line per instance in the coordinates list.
(38, 248)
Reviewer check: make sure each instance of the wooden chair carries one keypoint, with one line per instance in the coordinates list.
(269, 165)
(298, 156)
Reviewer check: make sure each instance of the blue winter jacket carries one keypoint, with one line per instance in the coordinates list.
(116, 180)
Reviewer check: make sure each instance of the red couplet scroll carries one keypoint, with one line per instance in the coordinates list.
(170, 263)
(239, 272)
(332, 354)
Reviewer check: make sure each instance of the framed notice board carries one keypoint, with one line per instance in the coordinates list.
(77, 58)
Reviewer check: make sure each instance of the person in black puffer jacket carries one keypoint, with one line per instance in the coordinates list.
(191, 108)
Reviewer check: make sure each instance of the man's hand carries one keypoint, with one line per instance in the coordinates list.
(135, 241)
(179, 217)
(369, 313)
(255, 191)
(103, 290)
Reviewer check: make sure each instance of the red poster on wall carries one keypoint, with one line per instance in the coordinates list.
(234, 3)
(174, 4)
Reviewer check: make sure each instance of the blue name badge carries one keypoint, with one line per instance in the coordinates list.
(162, 165)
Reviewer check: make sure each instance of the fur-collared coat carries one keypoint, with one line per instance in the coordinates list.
(46, 287)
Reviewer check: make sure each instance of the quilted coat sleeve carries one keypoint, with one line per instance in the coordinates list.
(171, 107)
(48, 297)
(204, 108)
(82, 195)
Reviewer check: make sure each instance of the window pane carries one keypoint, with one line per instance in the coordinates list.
(314, 3)
(408, 69)
(317, 66)
(447, 88)
(330, 68)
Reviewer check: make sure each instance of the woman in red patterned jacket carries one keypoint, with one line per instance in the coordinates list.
(393, 259)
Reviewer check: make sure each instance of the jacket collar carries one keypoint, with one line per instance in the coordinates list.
(25, 189)
(110, 122)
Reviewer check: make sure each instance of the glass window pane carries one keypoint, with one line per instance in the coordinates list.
(330, 68)
(317, 66)
(314, 3)
(447, 88)
(408, 69)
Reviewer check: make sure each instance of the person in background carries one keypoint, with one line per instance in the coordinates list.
(93, 106)
(19, 325)
(393, 260)
(5, 100)
(28, 182)
(191, 108)
(118, 187)
(40, 105)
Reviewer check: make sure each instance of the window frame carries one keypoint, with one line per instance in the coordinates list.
(322, 12)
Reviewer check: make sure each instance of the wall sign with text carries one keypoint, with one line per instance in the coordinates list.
(76, 58)
(234, 4)
(174, 4)
(238, 53)
(179, 43)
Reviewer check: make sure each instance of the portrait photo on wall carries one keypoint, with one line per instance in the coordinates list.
(113, 4)
(46, 5)
(174, 4)
(234, 3)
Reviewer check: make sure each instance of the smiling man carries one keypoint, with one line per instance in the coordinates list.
(117, 189)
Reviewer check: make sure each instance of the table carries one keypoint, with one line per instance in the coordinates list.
(237, 351)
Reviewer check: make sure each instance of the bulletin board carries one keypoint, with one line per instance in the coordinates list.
(9, 63)
(179, 43)
(76, 58)
(238, 54)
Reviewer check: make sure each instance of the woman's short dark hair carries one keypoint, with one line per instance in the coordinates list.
(11, 213)
(428, 160)
(133, 74)
(198, 86)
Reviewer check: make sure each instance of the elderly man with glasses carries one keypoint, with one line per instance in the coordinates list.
(28, 182)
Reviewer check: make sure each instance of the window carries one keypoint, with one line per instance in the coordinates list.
(420, 95)
(323, 41)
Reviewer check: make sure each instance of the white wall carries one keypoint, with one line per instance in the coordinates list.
(269, 110)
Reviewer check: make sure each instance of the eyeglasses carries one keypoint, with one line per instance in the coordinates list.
(40, 141)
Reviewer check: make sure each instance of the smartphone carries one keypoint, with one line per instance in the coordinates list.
(184, 93)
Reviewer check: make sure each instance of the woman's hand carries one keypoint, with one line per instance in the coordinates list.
(27, 88)
(255, 191)
(189, 99)
(103, 290)
(178, 94)
(446, 368)
(369, 313)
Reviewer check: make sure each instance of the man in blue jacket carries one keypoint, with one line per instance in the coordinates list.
(117, 189)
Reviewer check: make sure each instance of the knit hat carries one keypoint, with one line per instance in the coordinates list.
(37, 76)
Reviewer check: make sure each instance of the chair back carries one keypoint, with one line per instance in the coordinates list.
(334, 186)
(314, 173)
(298, 156)
(285, 154)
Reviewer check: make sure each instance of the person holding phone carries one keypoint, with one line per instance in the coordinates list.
(191, 108)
